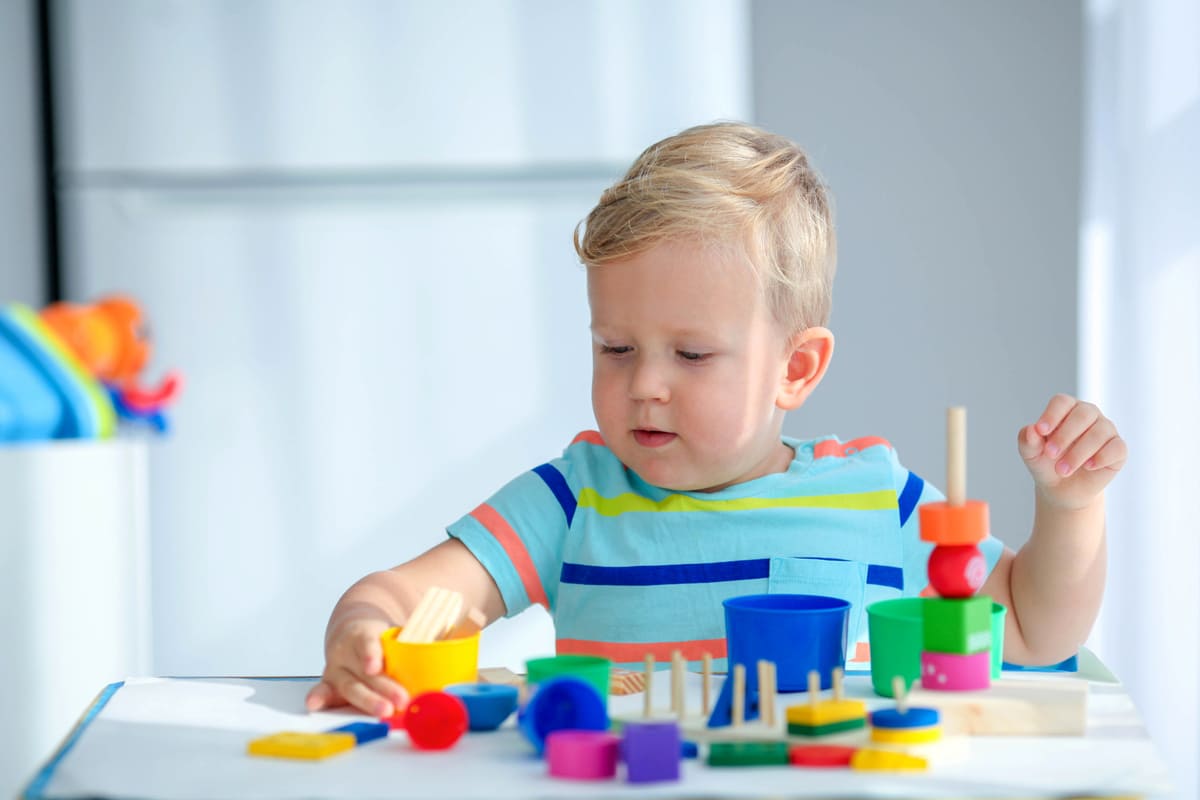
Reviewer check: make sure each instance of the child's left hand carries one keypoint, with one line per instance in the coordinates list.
(1072, 451)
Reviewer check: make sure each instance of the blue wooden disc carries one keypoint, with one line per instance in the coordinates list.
(893, 719)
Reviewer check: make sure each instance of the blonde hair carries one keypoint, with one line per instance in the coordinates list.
(733, 185)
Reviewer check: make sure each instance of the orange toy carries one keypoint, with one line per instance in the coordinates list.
(108, 337)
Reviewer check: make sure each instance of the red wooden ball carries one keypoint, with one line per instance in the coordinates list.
(957, 570)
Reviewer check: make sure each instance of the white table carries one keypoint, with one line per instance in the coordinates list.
(186, 738)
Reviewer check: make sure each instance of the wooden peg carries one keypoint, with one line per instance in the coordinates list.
(838, 693)
(738, 714)
(900, 693)
(677, 680)
(814, 689)
(705, 689)
(648, 699)
(956, 455)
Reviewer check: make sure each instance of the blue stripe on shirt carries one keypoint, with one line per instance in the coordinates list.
(558, 485)
(909, 496)
(716, 572)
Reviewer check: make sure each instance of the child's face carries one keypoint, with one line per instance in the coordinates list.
(687, 365)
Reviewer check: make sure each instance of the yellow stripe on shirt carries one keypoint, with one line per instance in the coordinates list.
(880, 500)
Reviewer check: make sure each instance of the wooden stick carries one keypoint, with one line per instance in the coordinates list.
(677, 678)
(762, 690)
(956, 455)
(900, 694)
(738, 715)
(837, 684)
(705, 690)
(436, 611)
(814, 688)
(471, 624)
(648, 700)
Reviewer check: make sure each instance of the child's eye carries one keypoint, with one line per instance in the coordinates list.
(687, 356)
(617, 350)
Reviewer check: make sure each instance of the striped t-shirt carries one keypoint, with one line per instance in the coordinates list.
(626, 568)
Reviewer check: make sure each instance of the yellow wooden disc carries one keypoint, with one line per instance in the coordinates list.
(867, 759)
(906, 735)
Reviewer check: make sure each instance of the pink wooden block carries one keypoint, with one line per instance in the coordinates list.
(953, 672)
(582, 755)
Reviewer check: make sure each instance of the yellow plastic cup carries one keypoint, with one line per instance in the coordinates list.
(430, 666)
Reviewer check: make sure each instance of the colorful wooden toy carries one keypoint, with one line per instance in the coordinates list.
(747, 754)
(946, 524)
(820, 755)
(562, 703)
(306, 746)
(960, 625)
(956, 570)
(874, 760)
(582, 755)
(435, 720)
(488, 705)
(906, 735)
(1013, 707)
(818, 718)
(652, 750)
(955, 672)
(364, 732)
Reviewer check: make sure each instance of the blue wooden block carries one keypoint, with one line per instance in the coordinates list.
(364, 731)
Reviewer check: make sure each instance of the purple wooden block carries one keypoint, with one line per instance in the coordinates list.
(652, 751)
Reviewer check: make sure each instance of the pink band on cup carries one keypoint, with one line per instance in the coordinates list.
(582, 755)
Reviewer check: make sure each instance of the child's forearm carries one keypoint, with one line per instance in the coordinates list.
(1057, 580)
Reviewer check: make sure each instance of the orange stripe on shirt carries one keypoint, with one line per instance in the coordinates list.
(591, 437)
(624, 652)
(832, 448)
(498, 526)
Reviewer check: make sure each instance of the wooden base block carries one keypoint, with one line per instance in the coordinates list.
(1012, 708)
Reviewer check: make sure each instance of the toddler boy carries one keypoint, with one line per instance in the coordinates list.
(709, 271)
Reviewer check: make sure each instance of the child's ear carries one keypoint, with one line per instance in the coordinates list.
(809, 354)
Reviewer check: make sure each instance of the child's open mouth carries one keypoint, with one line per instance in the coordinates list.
(647, 438)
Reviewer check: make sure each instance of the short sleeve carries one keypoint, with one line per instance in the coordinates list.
(912, 491)
(518, 534)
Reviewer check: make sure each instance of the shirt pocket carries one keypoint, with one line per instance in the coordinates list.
(831, 577)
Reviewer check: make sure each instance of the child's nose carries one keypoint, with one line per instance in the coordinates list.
(649, 381)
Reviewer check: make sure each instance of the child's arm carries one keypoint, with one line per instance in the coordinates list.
(353, 654)
(1054, 585)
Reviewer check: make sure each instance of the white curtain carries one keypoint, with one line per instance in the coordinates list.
(1140, 349)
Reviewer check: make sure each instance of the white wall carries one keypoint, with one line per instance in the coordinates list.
(950, 135)
(20, 209)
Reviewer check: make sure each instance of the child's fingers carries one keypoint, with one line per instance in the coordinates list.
(1056, 411)
(1111, 455)
(1080, 453)
(1077, 420)
(369, 653)
(358, 694)
(1029, 443)
(323, 695)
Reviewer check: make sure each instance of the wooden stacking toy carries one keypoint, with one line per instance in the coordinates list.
(956, 652)
(818, 717)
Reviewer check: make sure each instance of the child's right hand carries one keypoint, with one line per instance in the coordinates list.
(354, 672)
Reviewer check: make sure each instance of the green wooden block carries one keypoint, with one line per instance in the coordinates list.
(957, 625)
(821, 730)
(747, 754)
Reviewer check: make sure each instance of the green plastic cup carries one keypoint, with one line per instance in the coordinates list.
(998, 613)
(594, 670)
(896, 630)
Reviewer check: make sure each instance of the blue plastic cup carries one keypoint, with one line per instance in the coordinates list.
(799, 632)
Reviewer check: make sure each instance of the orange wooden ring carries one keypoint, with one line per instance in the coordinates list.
(942, 523)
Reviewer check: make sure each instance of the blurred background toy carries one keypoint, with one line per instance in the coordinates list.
(73, 370)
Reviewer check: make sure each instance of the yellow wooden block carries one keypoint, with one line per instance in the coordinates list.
(886, 760)
(311, 746)
(826, 712)
(906, 735)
